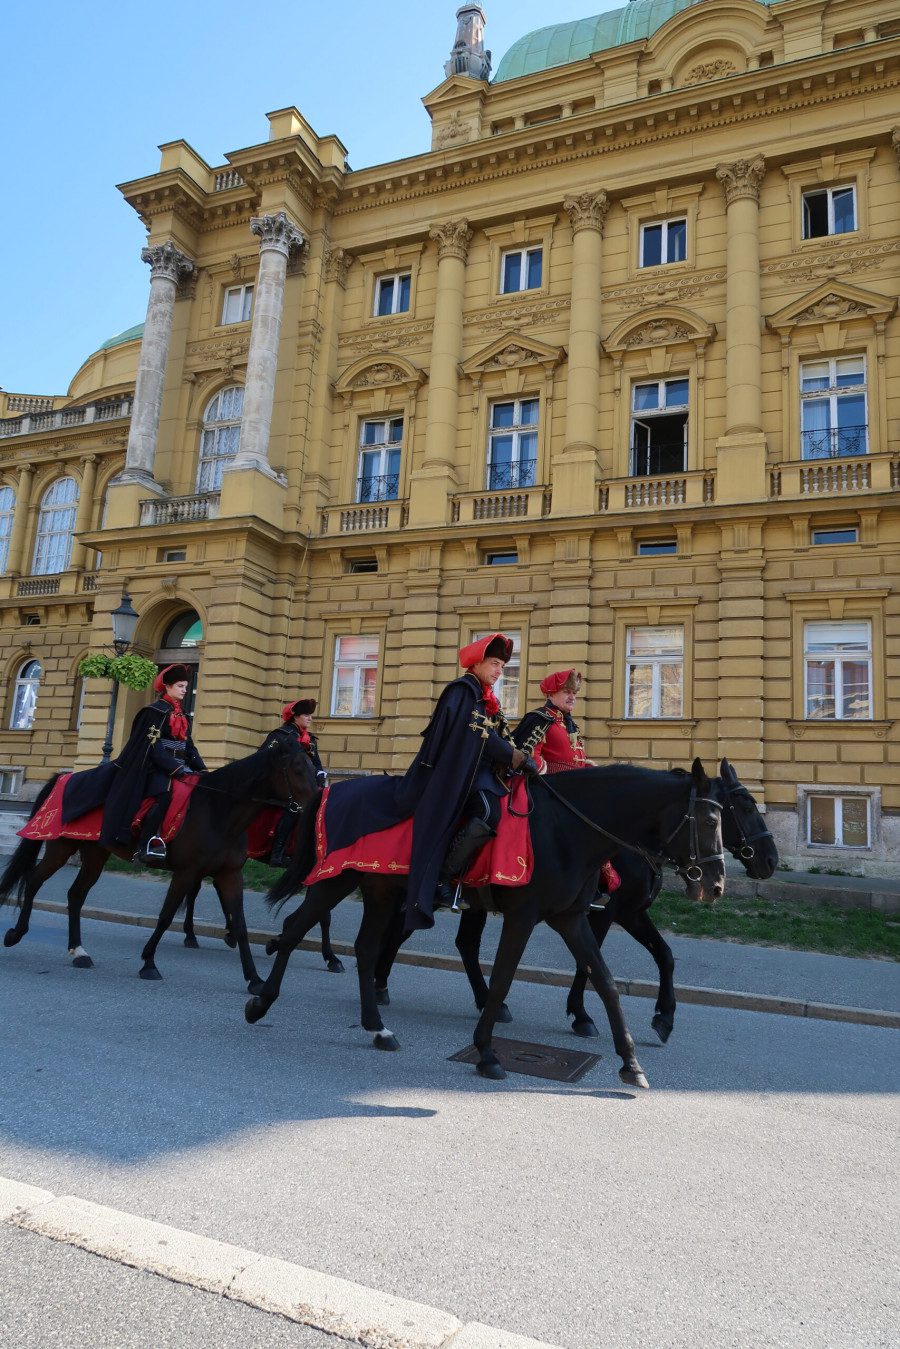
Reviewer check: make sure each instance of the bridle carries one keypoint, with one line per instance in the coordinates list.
(745, 852)
(292, 804)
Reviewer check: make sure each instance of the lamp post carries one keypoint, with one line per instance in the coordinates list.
(124, 626)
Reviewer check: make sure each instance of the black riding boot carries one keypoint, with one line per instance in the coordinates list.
(279, 857)
(470, 840)
(151, 849)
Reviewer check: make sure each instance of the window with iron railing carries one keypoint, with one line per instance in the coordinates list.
(380, 448)
(833, 417)
(512, 444)
(659, 427)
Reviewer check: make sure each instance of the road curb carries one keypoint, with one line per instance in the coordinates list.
(530, 974)
(324, 1302)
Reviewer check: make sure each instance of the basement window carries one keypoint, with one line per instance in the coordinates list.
(656, 547)
(839, 821)
(173, 555)
(846, 534)
(361, 566)
(32, 620)
(502, 558)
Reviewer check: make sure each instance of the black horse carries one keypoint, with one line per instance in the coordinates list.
(211, 842)
(333, 963)
(744, 834)
(573, 833)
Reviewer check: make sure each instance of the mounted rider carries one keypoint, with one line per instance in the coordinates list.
(296, 729)
(458, 778)
(549, 733)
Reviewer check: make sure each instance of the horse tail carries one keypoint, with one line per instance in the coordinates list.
(23, 860)
(303, 857)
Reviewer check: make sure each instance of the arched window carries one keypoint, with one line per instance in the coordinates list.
(187, 630)
(56, 524)
(7, 508)
(25, 693)
(221, 436)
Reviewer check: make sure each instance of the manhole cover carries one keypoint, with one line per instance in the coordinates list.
(519, 1056)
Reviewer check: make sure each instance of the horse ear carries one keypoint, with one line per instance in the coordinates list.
(726, 772)
(701, 781)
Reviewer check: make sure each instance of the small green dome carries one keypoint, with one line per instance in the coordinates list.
(562, 43)
(129, 335)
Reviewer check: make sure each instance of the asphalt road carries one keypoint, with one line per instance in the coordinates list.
(749, 1199)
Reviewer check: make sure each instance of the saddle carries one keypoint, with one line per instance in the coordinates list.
(46, 823)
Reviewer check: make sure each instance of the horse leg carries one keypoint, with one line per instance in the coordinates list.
(190, 936)
(576, 933)
(472, 923)
(377, 915)
(582, 1023)
(318, 901)
(230, 889)
(56, 854)
(93, 860)
(645, 931)
(335, 966)
(394, 938)
(517, 928)
(178, 887)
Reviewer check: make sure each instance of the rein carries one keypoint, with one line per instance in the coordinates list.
(746, 851)
(292, 804)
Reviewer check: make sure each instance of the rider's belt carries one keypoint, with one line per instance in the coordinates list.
(176, 747)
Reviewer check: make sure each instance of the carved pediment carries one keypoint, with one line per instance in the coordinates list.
(510, 352)
(377, 371)
(833, 302)
(663, 326)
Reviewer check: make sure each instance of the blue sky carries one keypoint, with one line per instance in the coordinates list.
(90, 90)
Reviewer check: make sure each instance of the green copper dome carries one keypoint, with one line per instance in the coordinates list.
(129, 335)
(564, 42)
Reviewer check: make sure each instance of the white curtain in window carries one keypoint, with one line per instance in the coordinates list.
(25, 696)
(56, 524)
(221, 436)
(7, 510)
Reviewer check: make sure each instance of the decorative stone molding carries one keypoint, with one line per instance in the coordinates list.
(663, 328)
(337, 264)
(454, 130)
(379, 373)
(741, 180)
(527, 314)
(587, 211)
(833, 259)
(376, 375)
(710, 70)
(277, 232)
(453, 238)
(895, 141)
(510, 352)
(833, 302)
(659, 331)
(166, 261)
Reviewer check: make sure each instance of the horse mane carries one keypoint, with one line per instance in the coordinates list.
(241, 776)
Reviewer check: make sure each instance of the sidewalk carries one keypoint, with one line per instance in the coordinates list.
(700, 963)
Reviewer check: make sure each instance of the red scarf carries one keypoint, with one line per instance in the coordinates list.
(491, 701)
(178, 722)
(303, 735)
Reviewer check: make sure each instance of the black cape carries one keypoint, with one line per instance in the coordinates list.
(289, 734)
(144, 768)
(455, 759)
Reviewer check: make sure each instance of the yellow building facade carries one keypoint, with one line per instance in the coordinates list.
(614, 367)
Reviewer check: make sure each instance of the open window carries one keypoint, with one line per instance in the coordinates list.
(659, 427)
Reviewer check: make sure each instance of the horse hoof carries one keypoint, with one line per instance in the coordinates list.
(634, 1077)
(255, 1009)
(495, 1072)
(586, 1029)
(382, 997)
(149, 971)
(12, 937)
(385, 1040)
(255, 987)
(83, 962)
(335, 966)
(662, 1026)
(504, 1015)
(271, 946)
(192, 942)
(230, 940)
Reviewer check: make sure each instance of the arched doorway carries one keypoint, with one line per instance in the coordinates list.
(181, 643)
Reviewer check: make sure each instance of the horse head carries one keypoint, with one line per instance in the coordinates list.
(293, 774)
(693, 841)
(744, 831)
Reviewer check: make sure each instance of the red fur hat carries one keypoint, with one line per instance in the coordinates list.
(562, 679)
(494, 644)
(303, 707)
(172, 674)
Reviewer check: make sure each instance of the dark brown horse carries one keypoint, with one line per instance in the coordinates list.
(211, 842)
(333, 962)
(573, 832)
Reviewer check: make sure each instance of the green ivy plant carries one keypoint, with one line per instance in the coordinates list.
(135, 672)
(96, 667)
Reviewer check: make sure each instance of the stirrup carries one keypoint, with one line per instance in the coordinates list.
(154, 850)
(458, 902)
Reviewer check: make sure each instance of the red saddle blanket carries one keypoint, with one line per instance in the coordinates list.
(504, 860)
(46, 823)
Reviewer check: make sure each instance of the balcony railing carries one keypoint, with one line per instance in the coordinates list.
(38, 585)
(837, 476)
(514, 504)
(180, 510)
(654, 461)
(836, 442)
(691, 488)
(384, 488)
(227, 178)
(65, 417)
(517, 474)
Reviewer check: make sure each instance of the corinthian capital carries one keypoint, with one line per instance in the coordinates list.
(277, 232)
(166, 261)
(453, 239)
(587, 211)
(741, 179)
(337, 265)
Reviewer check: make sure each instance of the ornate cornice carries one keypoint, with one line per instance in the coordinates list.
(741, 180)
(453, 238)
(587, 211)
(337, 264)
(167, 262)
(277, 233)
(834, 259)
(530, 314)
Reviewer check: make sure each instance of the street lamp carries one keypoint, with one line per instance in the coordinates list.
(124, 626)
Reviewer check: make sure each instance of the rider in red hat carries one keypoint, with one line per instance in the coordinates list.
(296, 718)
(458, 777)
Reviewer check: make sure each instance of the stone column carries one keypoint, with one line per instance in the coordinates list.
(167, 266)
(315, 493)
(85, 510)
(20, 521)
(433, 483)
(741, 452)
(277, 237)
(575, 471)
